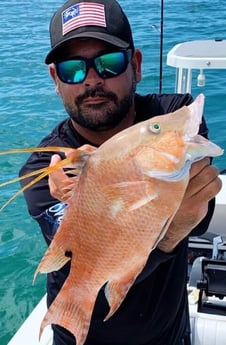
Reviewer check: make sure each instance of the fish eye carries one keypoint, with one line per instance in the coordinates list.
(154, 128)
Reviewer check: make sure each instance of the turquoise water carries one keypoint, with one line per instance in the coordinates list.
(29, 108)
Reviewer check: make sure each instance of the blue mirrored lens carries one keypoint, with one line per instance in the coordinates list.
(71, 71)
(111, 65)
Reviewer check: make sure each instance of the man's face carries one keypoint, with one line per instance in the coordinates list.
(96, 103)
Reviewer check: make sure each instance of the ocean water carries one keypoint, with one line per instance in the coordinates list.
(29, 109)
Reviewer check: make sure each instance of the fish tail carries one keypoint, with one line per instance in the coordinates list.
(71, 310)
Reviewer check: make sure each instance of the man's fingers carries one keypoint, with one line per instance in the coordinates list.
(60, 185)
(198, 166)
(203, 176)
(55, 159)
(211, 184)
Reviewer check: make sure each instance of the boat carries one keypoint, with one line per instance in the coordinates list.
(28, 333)
(207, 254)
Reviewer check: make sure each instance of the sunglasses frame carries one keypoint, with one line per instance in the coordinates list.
(90, 62)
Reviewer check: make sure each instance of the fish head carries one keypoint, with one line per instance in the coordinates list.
(169, 144)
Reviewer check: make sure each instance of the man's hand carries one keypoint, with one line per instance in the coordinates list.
(60, 185)
(203, 186)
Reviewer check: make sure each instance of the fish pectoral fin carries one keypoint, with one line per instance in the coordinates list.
(144, 159)
(53, 260)
(130, 195)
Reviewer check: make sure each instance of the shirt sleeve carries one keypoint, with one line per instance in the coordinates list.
(37, 196)
(44, 209)
(49, 220)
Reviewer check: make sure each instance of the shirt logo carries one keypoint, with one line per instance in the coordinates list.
(83, 14)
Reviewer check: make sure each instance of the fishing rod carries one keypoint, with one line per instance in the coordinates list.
(161, 45)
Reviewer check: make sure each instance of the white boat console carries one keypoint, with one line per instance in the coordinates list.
(200, 55)
(208, 311)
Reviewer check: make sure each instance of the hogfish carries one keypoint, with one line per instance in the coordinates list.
(121, 205)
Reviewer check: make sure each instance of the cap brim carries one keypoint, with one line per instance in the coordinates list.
(115, 41)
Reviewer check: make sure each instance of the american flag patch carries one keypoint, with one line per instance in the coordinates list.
(82, 14)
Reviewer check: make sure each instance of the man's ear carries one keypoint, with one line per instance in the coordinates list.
(137, 62)
(52, 72)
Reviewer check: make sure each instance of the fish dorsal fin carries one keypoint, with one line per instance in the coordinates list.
(129, 195)
(76, 159)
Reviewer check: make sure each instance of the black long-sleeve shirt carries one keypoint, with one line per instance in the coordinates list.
(154, 311)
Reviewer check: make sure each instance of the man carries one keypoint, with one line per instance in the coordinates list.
(95, 68)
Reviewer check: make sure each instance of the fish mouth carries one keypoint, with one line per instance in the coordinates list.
(174, 176)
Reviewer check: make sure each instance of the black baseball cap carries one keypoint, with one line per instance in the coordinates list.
(100, 19)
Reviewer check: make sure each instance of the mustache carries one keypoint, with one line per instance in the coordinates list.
(97, 92)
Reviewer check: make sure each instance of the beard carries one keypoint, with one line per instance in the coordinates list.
(101, 116)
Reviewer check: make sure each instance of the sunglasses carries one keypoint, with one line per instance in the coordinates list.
(110, 65)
